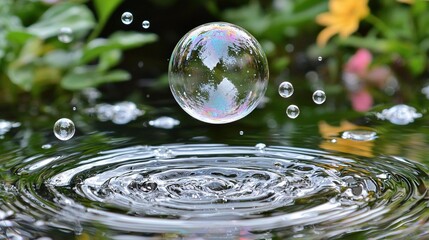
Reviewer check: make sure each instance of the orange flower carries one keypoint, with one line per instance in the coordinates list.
(343, 18)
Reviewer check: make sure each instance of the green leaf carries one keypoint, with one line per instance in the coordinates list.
(77, 17)
(19, 37)
(104, 9)
(21, 76)
(119, 41)
(109, 59)
(417, 63)
(250, 17)
(84, 77)
(62, 59)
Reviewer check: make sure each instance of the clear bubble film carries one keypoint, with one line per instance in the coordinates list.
(218, 73)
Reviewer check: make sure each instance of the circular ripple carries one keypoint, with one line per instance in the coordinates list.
(201, 189)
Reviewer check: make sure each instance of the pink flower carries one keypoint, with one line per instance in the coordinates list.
(355, 71)
(359, 62)
(361, 100)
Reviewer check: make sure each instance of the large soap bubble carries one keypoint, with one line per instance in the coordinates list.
(218, 73)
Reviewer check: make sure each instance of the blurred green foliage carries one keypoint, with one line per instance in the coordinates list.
(33, 60)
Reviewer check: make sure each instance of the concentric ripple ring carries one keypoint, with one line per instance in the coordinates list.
(217, 189)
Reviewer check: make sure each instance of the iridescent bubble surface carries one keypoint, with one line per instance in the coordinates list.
(218, 73)
(64, 129)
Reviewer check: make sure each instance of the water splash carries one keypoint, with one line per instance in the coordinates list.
(164, 122)
(210, 191)
(400, 114)
(119, 113)
(5, 126)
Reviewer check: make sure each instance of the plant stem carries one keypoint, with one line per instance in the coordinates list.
(380, 25)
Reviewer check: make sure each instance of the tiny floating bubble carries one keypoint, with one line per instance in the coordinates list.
(65, 35)
(241, 133)
(64, 129)
(292, 111)
(74, 108)
(319, 97)
(145, 24)
(140, 64)
(127, 18)
(320, 58)
(286, 89)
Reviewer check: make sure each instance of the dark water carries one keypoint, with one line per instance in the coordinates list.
(278, 179)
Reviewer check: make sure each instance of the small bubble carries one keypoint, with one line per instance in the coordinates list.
(145, 24)
(140, 64)
(74, 108)
(334, 140)
(127, 18)
(65, 35)
(260, 146)
(286, 89)
(319, 97)
(320, 58)
(46, 146)
(292, 111)
(289, 48)
(64, 129)
(241, 133)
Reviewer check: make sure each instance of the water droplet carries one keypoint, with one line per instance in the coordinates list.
(260, 147)
(163, 152)
(64, 129)
(127, 18)
(164, 122)
(241, 133)
(319, 97)
(221, 53)
(145, 24)
(400, 114)
(65, 35)
(320, 58)
(286, 89)
(292, 111)
(359, 135)
(120, 113)
(5, 126)
(47, 146)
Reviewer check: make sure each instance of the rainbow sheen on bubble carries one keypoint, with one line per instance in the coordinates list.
(218, 73)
